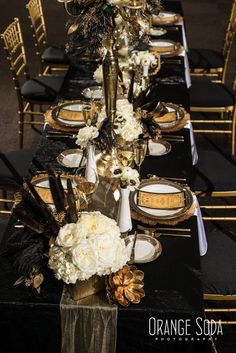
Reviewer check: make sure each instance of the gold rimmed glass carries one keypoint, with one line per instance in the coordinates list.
(85, 185)
(125, 155)
(140, 150)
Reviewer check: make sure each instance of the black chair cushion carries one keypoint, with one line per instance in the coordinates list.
(20, 159)
(204, 93)
(219, 263)
(204, 58)
(43, 88)
(214, 171)
(55, 55)
(3, 226)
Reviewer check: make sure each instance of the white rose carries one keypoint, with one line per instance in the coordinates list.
(95, 223)
(84, 258)
(86, 134)
(98, 74)
(111, 253)
(131, 131)
(68, 235)
(124, 108)
(121, 255)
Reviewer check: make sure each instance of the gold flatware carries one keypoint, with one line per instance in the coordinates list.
(171, 62)
(173, 235)
(150, 176)
(163, 228)
(172, 136)
(59, 136)
(155, 232)
(132, 256)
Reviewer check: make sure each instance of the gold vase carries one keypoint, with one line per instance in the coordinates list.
(110, 79)
(106, 162)
(83, 289)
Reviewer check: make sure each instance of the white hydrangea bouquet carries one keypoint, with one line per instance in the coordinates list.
(91, 246)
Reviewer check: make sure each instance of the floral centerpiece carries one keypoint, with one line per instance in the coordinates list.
(76, 245)
(95, 19)
(91, 246)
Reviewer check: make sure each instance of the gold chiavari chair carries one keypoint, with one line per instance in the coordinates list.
(210, 63)
(234, 82)
(213, 98)
(38, 90)
(52, 58)
(219, 263)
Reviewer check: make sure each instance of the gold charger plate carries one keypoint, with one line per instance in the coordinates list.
(41, 185)
(173, 117)
(69, 114)
(165, 47)
(147, 248)
(162, 186)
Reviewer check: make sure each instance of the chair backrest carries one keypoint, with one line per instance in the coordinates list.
(38, 25)
(15, 52)
(229, 36)
(221, 209)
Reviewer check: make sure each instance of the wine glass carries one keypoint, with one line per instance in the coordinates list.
(140, 150)
(125, 154)
(85, 184)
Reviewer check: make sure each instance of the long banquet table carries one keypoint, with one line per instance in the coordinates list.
(30, 323)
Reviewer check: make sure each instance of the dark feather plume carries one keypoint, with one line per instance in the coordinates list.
(72, 213)
(44, 210)
(56, 190)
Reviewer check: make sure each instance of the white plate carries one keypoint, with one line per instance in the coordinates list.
(147, 248)
(165, 17)
(74, 107)
(171, 48)
(95, 92)
(157, 32)
(159, 148)
(161, 43)
(71, 158)
(163, 187)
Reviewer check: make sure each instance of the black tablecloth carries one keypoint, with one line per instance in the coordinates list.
(30, 323)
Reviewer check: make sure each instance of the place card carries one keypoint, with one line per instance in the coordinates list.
(161, 200)
(71, 115)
